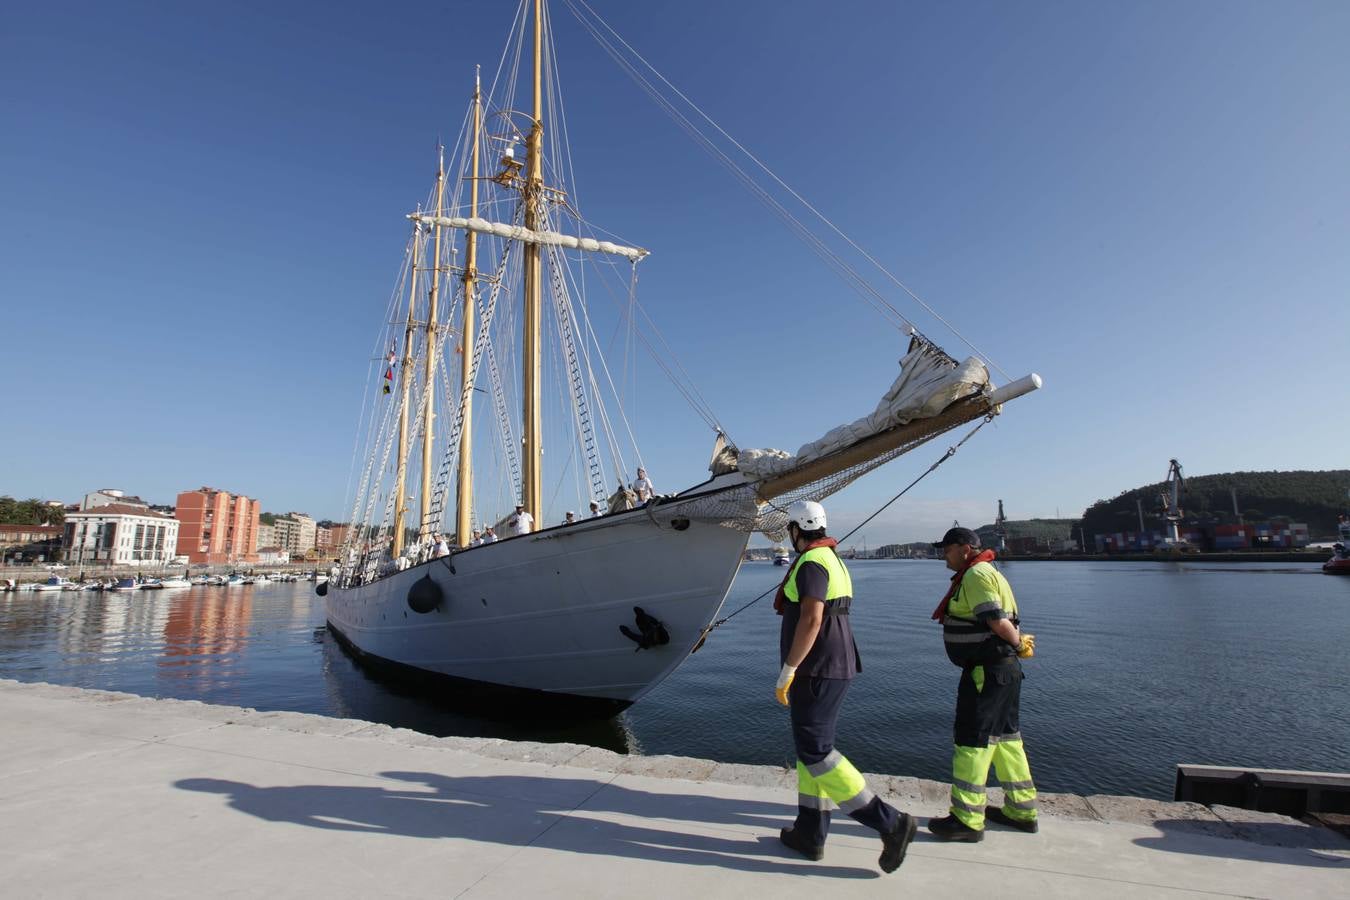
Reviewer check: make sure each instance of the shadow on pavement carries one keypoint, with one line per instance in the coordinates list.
(1269, 842)
(505, 809)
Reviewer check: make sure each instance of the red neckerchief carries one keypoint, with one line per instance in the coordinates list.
(780, 599)
(982, 556)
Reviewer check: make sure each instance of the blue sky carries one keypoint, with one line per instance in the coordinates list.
(1147, 203)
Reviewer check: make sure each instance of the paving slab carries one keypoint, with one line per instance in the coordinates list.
(114, 796)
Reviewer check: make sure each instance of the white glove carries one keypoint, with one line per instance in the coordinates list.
(785, 676)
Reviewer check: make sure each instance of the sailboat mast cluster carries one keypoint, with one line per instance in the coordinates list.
(533, 194)
(556, 607)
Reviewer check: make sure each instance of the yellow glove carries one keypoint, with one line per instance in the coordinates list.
(1027, 649)
(785, 676)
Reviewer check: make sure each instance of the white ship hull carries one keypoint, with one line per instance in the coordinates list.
(542, 612)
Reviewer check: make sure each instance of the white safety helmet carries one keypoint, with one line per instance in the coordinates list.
(808, 515)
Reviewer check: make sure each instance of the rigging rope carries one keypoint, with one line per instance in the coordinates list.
(951, 451)
(828, 255)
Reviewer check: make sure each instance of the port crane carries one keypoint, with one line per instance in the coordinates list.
(1171, 502)
(1001, 530)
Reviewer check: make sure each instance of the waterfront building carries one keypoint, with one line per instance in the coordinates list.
(273, 556)
(267, 536)
(120, 534)
(110, 497)
(295, 531)
(330, 538)
(217, 527)
(29, 543)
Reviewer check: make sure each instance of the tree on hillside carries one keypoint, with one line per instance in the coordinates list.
(30, 512)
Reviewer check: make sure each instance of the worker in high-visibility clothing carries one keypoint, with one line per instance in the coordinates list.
(980, 631)
(819, 659)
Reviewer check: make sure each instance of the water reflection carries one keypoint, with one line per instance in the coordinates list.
(1134, 676)
(265, 648)
(358, 692)
(204, 625)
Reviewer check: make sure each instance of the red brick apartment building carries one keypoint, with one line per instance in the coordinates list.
(329, 539)
(217, 527)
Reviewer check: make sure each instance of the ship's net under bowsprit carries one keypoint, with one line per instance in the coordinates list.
(932, 394)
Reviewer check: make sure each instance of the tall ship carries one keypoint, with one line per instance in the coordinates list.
(459, 561)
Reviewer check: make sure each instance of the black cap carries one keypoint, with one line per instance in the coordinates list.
(958, 536)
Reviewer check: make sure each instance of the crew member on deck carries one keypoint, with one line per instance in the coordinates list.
(980, 631)
(520, 522)
(819, 660)
(489, 536)
(595, 510)
(643, 486)
(570, 518)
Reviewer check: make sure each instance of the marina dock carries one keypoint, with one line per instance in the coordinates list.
(114, 795)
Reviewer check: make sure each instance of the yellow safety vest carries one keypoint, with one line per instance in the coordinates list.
(841, 585)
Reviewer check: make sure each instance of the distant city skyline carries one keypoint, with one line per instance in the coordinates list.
(1145, 203)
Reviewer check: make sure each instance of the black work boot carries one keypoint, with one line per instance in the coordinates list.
(995, 814)
(793, 840)
(893, 845)
(950, 828)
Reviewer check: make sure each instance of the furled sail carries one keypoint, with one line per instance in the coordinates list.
(530, 236)
(928, 383)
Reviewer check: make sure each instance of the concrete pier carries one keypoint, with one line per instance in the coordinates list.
(112, 795)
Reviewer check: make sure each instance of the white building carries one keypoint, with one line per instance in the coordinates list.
(295, 532)
(121, 534)
(267, 536)
(273, 556)
(110, 497)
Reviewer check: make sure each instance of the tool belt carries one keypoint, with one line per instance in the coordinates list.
(838, 607)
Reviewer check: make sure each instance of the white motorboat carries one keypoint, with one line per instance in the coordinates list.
(175, 583)
(54, 583)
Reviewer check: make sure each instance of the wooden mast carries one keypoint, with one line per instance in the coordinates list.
(464, 507)
(429, 392)
(405, 387)
(532, 192)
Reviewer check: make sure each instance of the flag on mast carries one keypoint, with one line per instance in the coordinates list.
(389, 372)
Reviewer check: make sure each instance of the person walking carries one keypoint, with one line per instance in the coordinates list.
(819, 659)
(980, 631)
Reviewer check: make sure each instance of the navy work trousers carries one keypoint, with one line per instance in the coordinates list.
(814, 704)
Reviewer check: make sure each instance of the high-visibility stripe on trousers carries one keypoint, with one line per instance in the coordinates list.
(987, 731)
(825, 777)
(835, 779)
(970, 771)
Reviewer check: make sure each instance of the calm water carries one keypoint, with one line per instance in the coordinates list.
(1139, 666)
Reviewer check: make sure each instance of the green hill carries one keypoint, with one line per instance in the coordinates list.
(1315, 498)
(1043, 530)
